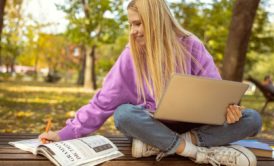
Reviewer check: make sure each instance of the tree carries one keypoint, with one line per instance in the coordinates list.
(11, 41)
(108, 54)
(261, 43)
(208, 21)
(31, 48)
(51, 48)
(238, 38)
(2, 7)
(89, 26)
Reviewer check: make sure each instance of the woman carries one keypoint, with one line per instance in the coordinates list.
(158, 47)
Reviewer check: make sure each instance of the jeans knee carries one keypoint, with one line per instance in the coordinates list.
(255, 120)
(122, 115)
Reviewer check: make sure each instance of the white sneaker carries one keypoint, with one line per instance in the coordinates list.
(234, 155)
(140, 149)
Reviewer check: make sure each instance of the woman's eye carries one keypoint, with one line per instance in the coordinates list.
(137, 24)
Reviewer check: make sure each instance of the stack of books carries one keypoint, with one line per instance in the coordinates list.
(260, 149)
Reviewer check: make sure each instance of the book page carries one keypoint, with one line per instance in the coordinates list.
(82, 150)
(29, 145)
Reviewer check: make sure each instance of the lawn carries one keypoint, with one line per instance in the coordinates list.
(25, 107)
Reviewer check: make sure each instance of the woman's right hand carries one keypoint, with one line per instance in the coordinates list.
(51, 136)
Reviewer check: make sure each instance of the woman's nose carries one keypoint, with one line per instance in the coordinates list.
(133, 31)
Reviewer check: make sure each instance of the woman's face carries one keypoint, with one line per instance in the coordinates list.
(136, 27)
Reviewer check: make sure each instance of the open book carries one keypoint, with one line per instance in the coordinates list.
(260, 149)
(90, 150)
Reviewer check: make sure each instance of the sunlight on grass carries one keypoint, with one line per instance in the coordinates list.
(70, 114)
(25, 107)
(22, 114)
(49, 89)
(35, 100)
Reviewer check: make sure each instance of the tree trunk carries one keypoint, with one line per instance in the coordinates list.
(239, 32)
(2, 7)
(36, 64)
(12, 65)
(90, 75)
(81, 74)
(88, 71)
(93, 59)
(7, 68)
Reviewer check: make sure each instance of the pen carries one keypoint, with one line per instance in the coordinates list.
(47, 129)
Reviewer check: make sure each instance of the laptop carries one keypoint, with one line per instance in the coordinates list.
(198, 99)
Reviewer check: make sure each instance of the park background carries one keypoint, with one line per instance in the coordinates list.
(54, 54)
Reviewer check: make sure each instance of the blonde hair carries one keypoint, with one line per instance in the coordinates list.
(163, 54)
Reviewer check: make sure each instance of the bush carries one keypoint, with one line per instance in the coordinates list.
(5, 76)
(53, 77)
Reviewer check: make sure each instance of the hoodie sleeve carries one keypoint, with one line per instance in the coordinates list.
(117, 89)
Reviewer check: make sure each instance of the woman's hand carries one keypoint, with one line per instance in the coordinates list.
(234, 113)
(50, 136)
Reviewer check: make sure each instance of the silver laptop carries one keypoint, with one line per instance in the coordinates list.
(198, 99)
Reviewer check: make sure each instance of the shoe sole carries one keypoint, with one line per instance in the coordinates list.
(248, 152)
(137, 148)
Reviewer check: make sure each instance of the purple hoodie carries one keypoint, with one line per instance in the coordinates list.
(119, 88)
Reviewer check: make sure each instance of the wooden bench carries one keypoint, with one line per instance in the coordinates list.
(11, 156)
(269, 97)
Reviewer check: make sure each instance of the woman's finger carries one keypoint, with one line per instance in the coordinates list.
(49, 136)
(229, 117)
(238, 111)
(230, 113)
(234, 112)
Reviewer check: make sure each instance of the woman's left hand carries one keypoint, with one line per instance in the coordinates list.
(234, 113)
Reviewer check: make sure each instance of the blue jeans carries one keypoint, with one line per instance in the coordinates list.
(135, 122)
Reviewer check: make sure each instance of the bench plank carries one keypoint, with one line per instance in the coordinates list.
(26, 163)
(11, 156)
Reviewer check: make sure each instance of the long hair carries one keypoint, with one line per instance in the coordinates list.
(163, 54)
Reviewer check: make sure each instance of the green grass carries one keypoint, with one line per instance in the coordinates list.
(257, 102)
(25, 107)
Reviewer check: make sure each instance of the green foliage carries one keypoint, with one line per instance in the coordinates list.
(264, 65)
(262, 38)
(89, 24)
(30, 53)
(261, 45)
(11, 43)
(93, 23)
(51, 47)
(108, 53)
(210, 22)
(260, 58)
(104, 24)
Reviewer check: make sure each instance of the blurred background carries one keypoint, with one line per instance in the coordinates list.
(54, 54)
